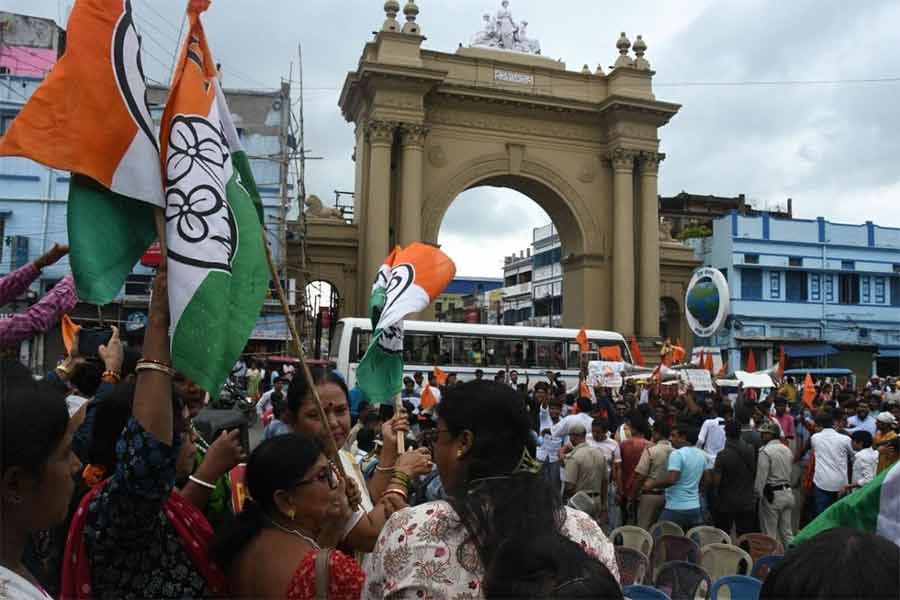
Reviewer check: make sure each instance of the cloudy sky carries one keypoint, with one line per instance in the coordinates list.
(832, 146)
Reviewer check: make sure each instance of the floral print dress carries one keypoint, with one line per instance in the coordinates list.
(416, 556)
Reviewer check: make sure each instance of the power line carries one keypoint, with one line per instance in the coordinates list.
(161, 16)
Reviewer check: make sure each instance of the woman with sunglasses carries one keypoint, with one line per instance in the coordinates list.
(277, 544)
(483, 452)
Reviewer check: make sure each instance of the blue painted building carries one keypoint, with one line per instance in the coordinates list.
(33, 214)
(828, 292)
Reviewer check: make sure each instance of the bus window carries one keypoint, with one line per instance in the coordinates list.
(549, 354)
(359, 344)
(575, 355)
(334, 352)
(467, 351)
(500, 352)
(420, 349)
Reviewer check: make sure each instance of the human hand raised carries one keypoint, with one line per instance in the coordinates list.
(113, 352)
(51, 256)
(392, 428)
(414, 462)
(224, 454)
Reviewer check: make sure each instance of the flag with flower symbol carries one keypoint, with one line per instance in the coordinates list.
(218, 274)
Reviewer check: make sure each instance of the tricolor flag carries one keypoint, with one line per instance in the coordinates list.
(582, 340)
(636, 355)
(406, 283)
(90, 116)
(218, 274)
(874, 508)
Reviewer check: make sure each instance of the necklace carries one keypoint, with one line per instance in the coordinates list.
(311, 541)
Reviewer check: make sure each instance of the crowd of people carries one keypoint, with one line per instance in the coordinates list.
(503, 489)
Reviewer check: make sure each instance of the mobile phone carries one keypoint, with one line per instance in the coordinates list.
(90, 340)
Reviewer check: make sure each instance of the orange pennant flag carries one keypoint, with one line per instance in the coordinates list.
(582, 340)
(427, 399)
(611, 353)
(636, 355)
(708, 365)
(440, 375)
(809, 391)
(751, 362)
(724, 370)
(677, 354)
(69, 329)
(701, 359)
(782, 361)
(583, 391)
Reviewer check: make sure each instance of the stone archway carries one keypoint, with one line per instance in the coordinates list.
(584, 146)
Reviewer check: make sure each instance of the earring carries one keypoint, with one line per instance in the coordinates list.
(291, 514)
(459, 453)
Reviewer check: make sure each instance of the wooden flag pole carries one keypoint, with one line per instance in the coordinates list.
(330, 448)
(401, 439)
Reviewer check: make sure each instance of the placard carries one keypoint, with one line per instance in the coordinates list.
(605, 373)
(700, 379)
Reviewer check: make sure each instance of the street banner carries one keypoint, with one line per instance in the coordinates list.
(406, 283)
(218, 273)
(90, 117)
(700, 379)
(605, 373)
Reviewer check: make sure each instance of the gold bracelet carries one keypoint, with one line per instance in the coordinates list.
(110, 377)
(400, 493)
(161, 363)
(152, 366)
(390, 469)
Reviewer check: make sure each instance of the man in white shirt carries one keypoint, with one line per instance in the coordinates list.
(862, 420)
(265, 402)
(610, 449)
(834, 457)
(514, 379)
(548, 445)
(865, 463)
(712, 433)
(583, 417)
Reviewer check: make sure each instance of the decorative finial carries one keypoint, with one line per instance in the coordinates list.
(599, 70)
(623, 45)
(391, 8)
(640, 47)
(586, 69)
(411, 11)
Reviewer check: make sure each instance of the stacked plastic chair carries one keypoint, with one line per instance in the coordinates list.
(633, 565)
(682, 580)
(721, 560)
(758, 545)
(632, 537)
(704, 534)
(672, 547)
(740, 587)
(661, 528)
(764, 565)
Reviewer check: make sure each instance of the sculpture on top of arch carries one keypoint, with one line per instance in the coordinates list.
(504, 33)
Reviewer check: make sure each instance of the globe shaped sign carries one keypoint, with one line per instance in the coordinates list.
(707, 302)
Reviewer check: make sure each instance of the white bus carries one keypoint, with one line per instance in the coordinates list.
(462, 348)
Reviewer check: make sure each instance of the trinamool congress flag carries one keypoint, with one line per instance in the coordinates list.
(218, 274)
(90, 117)
(406, 283)
(874, 508)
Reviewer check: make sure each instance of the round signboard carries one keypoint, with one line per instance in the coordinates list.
(706, 302)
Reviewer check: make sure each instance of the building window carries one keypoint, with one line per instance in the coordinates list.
(545, 259)
(751, 259)
(847, 265)
(795, 284)
(896, 268)
(848, 289)
(815, 281)
(795, 261)
(5, 122)
(775, 284)
(866, 290)
(895, 291)
(829, 288)
(751, 284)
(439, 307)
(879, 290)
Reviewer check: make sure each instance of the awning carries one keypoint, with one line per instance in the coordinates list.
(888, 353)
(811, 351)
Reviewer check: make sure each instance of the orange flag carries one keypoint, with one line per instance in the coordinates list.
(583, 391)
(582, 340)
(69, 329)
(809, 391)
(440, 375)
(751, 363)
(724, 370)
(427, 399)
(636, 355)
(611, 353)
(708, 365)
(701, 360)
(781, 363)
(677, 354)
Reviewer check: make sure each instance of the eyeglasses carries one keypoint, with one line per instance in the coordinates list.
(328, 475)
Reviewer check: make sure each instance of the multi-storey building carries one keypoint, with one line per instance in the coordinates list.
(829, 293)
(533, 282)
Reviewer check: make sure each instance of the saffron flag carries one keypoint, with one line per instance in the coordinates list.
(781, 363)
(90, 116)
(440, 376)
(218, 273)
(724, 370)
(701, 359)
(809, 391)
(636, 355)
(69, 329)
(582, 340)
(708, 365)
(751, 362)
(427, 399)
(611, 354)
(678, 353)
(406, 283)
(583, 390)
(874, 508)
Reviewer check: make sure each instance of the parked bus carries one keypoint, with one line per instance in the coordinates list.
(462, 348)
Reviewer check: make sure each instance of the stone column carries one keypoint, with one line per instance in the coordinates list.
(649, 235)
(622, 161)
(412, 140)
(378, 211)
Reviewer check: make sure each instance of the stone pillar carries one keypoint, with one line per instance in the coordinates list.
(649, 235)
(622, 161)
(378, 211)
(412, 140)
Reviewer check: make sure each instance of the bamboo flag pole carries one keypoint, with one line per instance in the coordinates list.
(330, 447)
(401, 438)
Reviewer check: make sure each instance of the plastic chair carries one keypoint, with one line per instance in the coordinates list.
(673, 547)
(758, 545)
(683, 581)
(633, 565)
(632, 537)
(643, 592)
(661, 528)
(764, 565)
(740, 587)
(722, 560)
(704, 534)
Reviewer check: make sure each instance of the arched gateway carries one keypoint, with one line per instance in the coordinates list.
(583, 145)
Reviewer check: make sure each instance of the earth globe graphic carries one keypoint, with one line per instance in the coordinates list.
(703, 302)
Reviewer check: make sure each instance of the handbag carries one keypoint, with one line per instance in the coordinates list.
(323, 575)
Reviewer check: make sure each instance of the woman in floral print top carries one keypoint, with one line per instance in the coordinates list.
(441, 549)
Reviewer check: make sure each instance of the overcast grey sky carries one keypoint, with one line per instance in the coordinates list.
(833, 147)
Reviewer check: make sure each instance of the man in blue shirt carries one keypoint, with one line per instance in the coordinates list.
(687, 465)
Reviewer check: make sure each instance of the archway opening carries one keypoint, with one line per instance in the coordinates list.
(321, 312)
